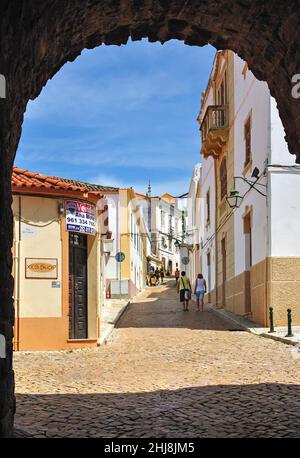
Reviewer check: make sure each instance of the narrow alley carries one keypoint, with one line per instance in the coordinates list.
(164, 373)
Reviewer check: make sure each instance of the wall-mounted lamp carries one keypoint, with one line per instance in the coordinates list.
(177, 244)
(234, 199)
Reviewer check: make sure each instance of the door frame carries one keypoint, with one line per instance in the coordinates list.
(73, 335)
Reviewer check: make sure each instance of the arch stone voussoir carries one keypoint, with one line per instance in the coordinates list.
(39, 37)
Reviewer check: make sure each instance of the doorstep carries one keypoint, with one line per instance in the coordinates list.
(279, 335)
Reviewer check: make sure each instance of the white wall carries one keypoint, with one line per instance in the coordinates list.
(208, 231)
(111, 266)
(136, 250)
(284, 208)
(250, 95)
(280, 152)
(285, 213)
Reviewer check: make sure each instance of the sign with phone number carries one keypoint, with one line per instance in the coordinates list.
(81, 217)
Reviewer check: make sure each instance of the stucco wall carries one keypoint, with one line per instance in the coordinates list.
(40, 238)
(208, 230)
(251, 96)
(284, 210)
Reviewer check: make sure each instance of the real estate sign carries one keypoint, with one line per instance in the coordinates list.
(81, 217)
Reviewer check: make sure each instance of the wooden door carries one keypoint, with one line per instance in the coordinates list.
(78, 310)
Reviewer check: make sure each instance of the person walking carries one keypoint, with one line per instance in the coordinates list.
(200, 290)
(157, 275)
(177, 275)
(162, 275)
(185, 290)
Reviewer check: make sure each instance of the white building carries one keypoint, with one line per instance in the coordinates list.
(124, 231)
(249, 241)
(193, 224)
(165, 223)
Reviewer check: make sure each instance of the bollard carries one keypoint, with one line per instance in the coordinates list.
(290, 332)
(271, 316)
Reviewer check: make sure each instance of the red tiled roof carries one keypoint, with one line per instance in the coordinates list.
(24, 179)
(168, 198)
(88, 187)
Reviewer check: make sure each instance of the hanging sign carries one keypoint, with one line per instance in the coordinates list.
(81, 217)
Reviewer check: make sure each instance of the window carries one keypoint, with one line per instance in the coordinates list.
(248, 153)
(163, 219)
(223, 179)
(222, 98)
(208, 207)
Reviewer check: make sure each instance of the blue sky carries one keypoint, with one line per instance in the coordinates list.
(120, 116)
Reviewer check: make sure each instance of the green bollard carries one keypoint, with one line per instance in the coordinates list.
(290, 332)
(271, 316)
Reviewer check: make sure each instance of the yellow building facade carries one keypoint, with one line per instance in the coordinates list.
(56, 270)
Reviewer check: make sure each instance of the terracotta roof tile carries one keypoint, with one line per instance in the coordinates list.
(22, 178)
(88, 187)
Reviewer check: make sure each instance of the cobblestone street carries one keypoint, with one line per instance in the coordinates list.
(164, 373)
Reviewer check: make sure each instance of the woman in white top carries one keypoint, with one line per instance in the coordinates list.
(200, 290)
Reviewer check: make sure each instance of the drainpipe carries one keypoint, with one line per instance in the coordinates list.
(216, 232)
(268, 210)
(100, 278)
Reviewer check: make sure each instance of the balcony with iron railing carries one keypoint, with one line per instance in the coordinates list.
(214, 130)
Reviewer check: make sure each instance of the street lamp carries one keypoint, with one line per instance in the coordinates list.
(234, 199)
(177, 244)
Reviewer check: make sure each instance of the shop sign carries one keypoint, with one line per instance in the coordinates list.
(81, 217)
(41, 268)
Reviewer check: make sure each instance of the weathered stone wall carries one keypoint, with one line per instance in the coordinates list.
(39, 36)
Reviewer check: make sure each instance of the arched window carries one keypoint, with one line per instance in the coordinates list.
(223, 178)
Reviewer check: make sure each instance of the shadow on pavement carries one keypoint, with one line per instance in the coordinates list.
(260, 410)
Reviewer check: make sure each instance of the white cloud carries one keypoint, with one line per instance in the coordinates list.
(173, 187)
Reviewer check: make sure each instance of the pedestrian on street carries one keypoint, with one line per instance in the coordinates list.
(177, 275)
(162, 275)
(157, 275)
(185, 290)
(200, 290)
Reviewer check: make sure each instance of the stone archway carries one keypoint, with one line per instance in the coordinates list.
(37, 38)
